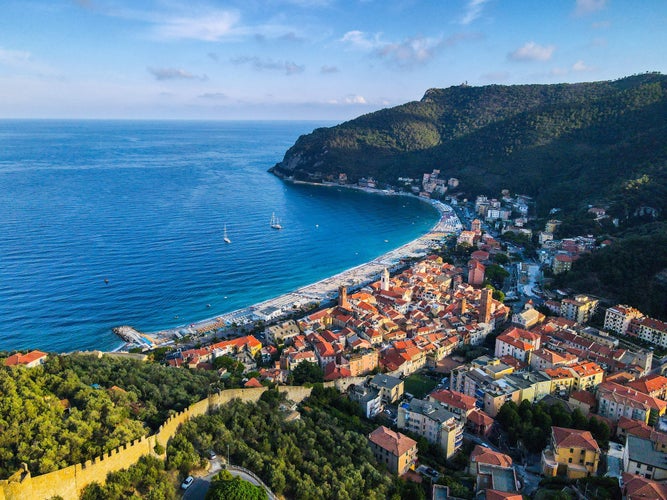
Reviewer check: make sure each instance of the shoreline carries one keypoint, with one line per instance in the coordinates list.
(318, 293)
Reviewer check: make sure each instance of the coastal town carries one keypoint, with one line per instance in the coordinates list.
(456, 341)
(428, 349)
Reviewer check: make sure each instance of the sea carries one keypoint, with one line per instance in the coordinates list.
(108, 223)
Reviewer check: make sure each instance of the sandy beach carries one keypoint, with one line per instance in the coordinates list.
(321, 292)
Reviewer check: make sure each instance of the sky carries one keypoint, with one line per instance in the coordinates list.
(304, 59)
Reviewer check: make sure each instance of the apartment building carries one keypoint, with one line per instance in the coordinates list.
(430, 420)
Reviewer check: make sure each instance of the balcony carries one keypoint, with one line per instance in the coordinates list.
(549, 463)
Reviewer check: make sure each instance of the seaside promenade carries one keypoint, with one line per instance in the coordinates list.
(319, 293)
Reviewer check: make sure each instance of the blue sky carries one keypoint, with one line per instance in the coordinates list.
(304, 59)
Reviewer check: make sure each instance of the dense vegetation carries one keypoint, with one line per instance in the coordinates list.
(68, 410)
(146, 479)
(226, 487)
(631, 271)
(530, 424)
(310, 458)
(565, 144)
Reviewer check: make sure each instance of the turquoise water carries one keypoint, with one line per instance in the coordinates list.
(116, 222)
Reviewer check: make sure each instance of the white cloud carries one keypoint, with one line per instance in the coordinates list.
(174, 74)
(360, 40)
(288, 67)
(580, 66)
(587, 6)
(409, 52)
(349, 99)
(210, 27)
(406, 53)
(532, 51)
(354, 99)
(473, 11)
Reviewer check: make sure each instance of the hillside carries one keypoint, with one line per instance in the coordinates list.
(632, 271)
(76, 407)
(565, 144)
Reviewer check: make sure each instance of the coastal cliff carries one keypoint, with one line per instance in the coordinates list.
(566, 144)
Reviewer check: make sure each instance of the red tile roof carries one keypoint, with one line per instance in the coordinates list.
(650, 384)
(585, 397)
(483, 455)
(454, 398)
(587, 369)
(479, 418)
(574, 438)
(332, 371)
(617, 392)
(253, 382)
(394, 442)
(639, 488)
(24, 359)
(635, 427)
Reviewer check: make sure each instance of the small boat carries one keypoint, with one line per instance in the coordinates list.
(224, 235)
(275, 222)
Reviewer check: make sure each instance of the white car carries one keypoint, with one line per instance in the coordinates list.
(187, 482)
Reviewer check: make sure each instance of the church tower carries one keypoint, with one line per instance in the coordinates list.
(384, 283)
(342, 297)
(485, 305)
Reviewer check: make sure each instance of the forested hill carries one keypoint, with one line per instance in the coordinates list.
(564, 143)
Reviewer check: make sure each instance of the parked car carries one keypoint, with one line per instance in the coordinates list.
(187, 482)
(211, 455)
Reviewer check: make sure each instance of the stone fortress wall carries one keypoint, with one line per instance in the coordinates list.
(70, 481)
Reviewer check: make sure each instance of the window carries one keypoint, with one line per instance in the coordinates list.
(649, 467)
(571, 450)
(569, 460)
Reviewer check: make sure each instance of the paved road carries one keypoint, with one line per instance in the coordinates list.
(198, 489)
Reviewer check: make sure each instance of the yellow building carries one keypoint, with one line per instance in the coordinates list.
(397, 451)
(572, 453)
(562, 380)
(587, 375)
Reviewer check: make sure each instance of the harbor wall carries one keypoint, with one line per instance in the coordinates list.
(69, 482)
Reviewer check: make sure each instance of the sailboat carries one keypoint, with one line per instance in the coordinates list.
(225, 238)
(275, 222)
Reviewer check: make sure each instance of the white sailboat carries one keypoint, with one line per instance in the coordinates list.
(275, 222)
(225, 238)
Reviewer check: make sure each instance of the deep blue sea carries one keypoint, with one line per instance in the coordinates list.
(104, 223)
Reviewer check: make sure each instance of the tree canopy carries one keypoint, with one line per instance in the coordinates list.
(226, 487)
(76, 407)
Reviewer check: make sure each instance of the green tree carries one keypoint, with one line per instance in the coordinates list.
(226, 487)
(307, 372)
